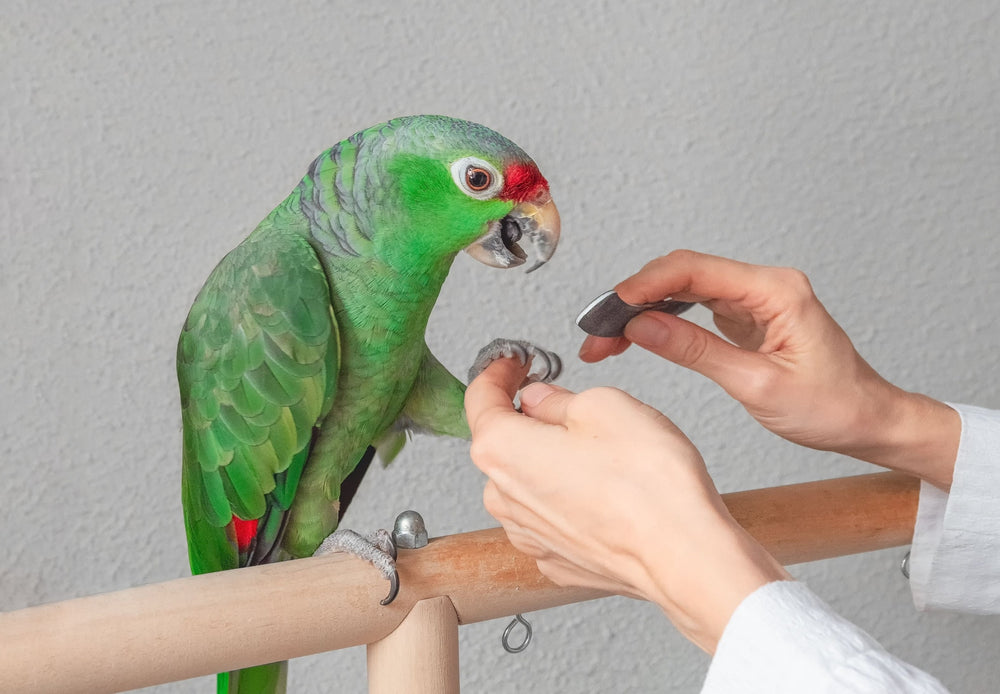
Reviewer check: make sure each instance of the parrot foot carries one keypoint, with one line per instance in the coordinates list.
(377, 549)
(549, 364)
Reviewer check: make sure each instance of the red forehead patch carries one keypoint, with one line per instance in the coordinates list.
(522, 182)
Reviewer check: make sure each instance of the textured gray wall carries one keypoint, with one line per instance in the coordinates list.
(858, 141)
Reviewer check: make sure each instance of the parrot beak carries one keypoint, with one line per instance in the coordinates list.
(537, 220)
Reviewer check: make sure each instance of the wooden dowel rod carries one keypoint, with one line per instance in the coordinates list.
(188, 627)
(421, 655)
(829, 518)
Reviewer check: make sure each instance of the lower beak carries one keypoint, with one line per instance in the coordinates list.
(536, 220)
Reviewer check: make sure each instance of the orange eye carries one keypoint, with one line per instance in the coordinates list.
(478, 179)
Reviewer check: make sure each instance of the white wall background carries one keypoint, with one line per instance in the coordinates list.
(858, 141)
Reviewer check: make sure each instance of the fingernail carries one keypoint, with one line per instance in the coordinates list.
(647, 330)
(535, 393)
(585, 350)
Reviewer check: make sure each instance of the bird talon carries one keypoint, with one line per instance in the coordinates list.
(382, 539)
(393, 588)
(550, 363)
(520, 352)
(378, 550)
(551, 366)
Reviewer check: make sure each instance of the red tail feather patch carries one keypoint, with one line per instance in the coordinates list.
(246, 530)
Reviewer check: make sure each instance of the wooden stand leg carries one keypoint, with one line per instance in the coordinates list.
(421, 655)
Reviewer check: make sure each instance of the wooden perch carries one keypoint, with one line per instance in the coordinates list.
(203, 624)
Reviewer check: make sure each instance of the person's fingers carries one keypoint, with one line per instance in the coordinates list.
(691, 276)
(493, 501)
(517, 521)
(595, 348)
(742, 296)
(526, 541)
(688, 273)
(493, 391)
(567, 573)
(695, 348)
(506, 508)
(741, 329)
(546, 402)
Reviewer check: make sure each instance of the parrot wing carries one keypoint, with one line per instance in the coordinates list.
(257, 364)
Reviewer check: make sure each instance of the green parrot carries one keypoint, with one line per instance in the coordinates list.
(304, 352)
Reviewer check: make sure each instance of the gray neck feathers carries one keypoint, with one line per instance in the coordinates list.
(332, 196)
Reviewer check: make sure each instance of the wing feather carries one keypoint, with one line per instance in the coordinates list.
(257, 362)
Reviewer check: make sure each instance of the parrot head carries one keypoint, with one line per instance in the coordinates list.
(441, 185)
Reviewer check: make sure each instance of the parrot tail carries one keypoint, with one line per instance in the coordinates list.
(262, 679)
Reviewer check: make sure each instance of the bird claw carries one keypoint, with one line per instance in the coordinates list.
(393, 588)
(549, 363)
(377, 549)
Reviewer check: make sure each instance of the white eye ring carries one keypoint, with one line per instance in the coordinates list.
(460, 174)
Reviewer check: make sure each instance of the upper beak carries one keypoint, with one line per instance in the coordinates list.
(537, 220)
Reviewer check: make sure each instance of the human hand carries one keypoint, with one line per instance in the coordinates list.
(605, 492)
(787, 362)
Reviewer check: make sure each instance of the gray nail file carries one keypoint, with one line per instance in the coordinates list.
(607, 315)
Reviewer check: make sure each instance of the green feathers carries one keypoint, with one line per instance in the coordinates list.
(428, 193)
(257, 363)
(306, 344)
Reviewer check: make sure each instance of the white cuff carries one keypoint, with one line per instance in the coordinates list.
(955, 557)
(783, 638)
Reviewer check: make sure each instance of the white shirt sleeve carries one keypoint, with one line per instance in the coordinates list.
(955, 556)
(783, 639)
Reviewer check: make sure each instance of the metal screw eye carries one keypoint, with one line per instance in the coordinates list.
(510, 627)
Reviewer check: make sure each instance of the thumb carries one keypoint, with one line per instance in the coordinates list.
(695, 348)
(546, 402)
